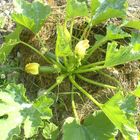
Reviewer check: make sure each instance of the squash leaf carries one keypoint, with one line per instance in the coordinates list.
(17, 111)
(121, 55)
(63, 43)
(50, 131)
(93, 127)
(76, 8)
(43, 104)
(10, 41)
(30, 15)
(113, 32)
(132, 24)
(108, 9)
(118, 110)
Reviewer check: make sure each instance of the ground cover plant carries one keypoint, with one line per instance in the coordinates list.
(21, 118)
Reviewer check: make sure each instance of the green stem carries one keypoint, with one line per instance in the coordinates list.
(35, 50)
(95, 83)
(110, 77)
(58, 82)
(90, 69)
(85, 92)
(96, 46)
(92, 65)
(51, 87)
(74, 106)
(71, 27)
(89, 26)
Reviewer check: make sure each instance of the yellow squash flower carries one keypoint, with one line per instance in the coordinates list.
(81, 47)
(32, 68)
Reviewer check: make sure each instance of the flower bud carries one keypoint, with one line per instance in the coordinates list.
(32, 68)
(80, 49)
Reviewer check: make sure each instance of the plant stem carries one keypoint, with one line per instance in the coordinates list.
(71, 27)
(89, 69)
(85, 92)
(35, 50)
(95, 46)
(110, 77)
(63, 76)
(92, 65)
(89, 26)
(74, 106)
(95, 83)
(51, 87)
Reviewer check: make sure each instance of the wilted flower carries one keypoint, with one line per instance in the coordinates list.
(81, 47)
(32, 68)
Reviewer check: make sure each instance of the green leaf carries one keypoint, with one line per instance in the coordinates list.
(118, 114)
(30, 15)
(74, 131)
(95, 127)
(108, 9)
(50, 131)
(63, 43)
(135, 41)
(100, 127)
(132, 24)
(17, 111)
(10, 41)
(137, 91)
(43, 104)
(128, 105)
(93, 6)
(32, 121)
(124, 54)
(115, 32)
(76, 8)
(15, 35)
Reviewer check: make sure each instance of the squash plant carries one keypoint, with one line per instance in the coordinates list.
(72, 61)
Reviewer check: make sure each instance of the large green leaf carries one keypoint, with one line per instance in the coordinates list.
(100, 127)
(95, 127)
(50, 131)
(113, 32)
(63, 43)
(10, 41)
(93, 6)
(124, 54)
(76, 8)
(117, 109)
(132, 24)
(17, 111)
(30, 15)
(108, 9)
(74, 131)
(43, 104)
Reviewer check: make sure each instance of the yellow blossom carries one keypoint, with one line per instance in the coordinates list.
(81, 48)
(32, 68)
